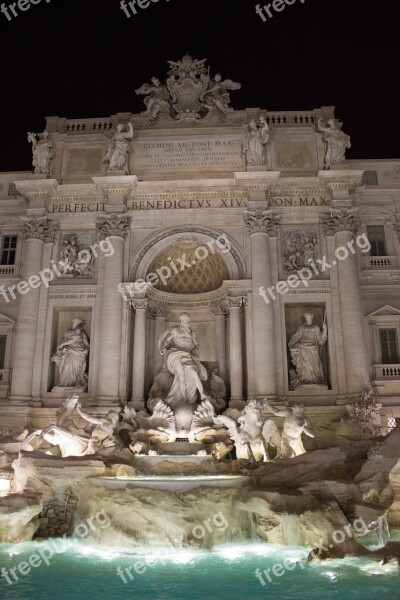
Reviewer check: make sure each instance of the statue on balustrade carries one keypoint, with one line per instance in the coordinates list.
(253, 147)
(42, 151)
(336, 142)
(117, 151)
(305, 349)
(71, 358)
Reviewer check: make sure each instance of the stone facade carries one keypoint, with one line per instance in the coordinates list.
(190, 188)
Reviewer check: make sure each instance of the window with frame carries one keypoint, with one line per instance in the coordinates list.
(9, 249)
(389, 346)
(377, 239)
(3, 343)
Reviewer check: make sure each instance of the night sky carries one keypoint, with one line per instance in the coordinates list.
(85, 58)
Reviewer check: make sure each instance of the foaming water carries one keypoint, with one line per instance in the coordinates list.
(228, 573)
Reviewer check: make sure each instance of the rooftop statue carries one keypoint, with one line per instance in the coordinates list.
(117, 151)
(336, 142)
(42, 151)
(254, 143)
(189, 92)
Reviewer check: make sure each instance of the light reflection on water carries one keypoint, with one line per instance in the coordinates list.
(226, 573)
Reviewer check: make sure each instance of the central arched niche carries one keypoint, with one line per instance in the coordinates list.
(189, 268)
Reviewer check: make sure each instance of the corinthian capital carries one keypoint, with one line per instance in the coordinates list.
(43, 229)
(113, 225)
(341, 220)
(261, 221)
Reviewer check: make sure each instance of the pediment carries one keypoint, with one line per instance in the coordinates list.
(386, 311)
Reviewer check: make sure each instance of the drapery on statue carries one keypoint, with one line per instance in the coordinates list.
(157, 98)
(180, 348)
(42, 151)
(254, 143)
(117, 151)
(71, 357)
(305, 349)
(296, 423)
(336, 141)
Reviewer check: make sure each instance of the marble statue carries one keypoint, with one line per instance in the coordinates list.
(217, 95)
(42, 151)
(73, 440)
(101, 435)
(336, 142)
(251, 434)
(157, 98)
(71, 358)
(305, 349)
(117, 151)
(253, 147)
(189, 92)
(295, 424)
(180, 349)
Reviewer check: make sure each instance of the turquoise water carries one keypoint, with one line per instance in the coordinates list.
(226, 573)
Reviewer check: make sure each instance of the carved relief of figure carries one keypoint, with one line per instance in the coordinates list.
(337, 142)
(309, 250)
(117, 152)
(68, 254)
(42, 151)
(157, 98)
(305, 349)
(71, 357)
(180, 347)
(254, 143)
(296, 423)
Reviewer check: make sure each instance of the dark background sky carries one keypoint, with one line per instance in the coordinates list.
(85, 58)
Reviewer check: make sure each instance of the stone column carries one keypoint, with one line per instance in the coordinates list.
(344, 224)
(114, 227)
(139, 353)
(36, 233)
(261, 225)
(220, 338)
(159, 315)
(236, 352)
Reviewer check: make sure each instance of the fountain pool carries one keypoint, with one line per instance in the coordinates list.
(226, 573)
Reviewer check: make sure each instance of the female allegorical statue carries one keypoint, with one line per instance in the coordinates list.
(305, 349)
(71, 357)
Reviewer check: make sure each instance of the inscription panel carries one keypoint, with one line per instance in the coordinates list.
(192, 153)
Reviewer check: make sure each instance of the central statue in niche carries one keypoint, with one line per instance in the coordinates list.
(185, 382)
(180, 348)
